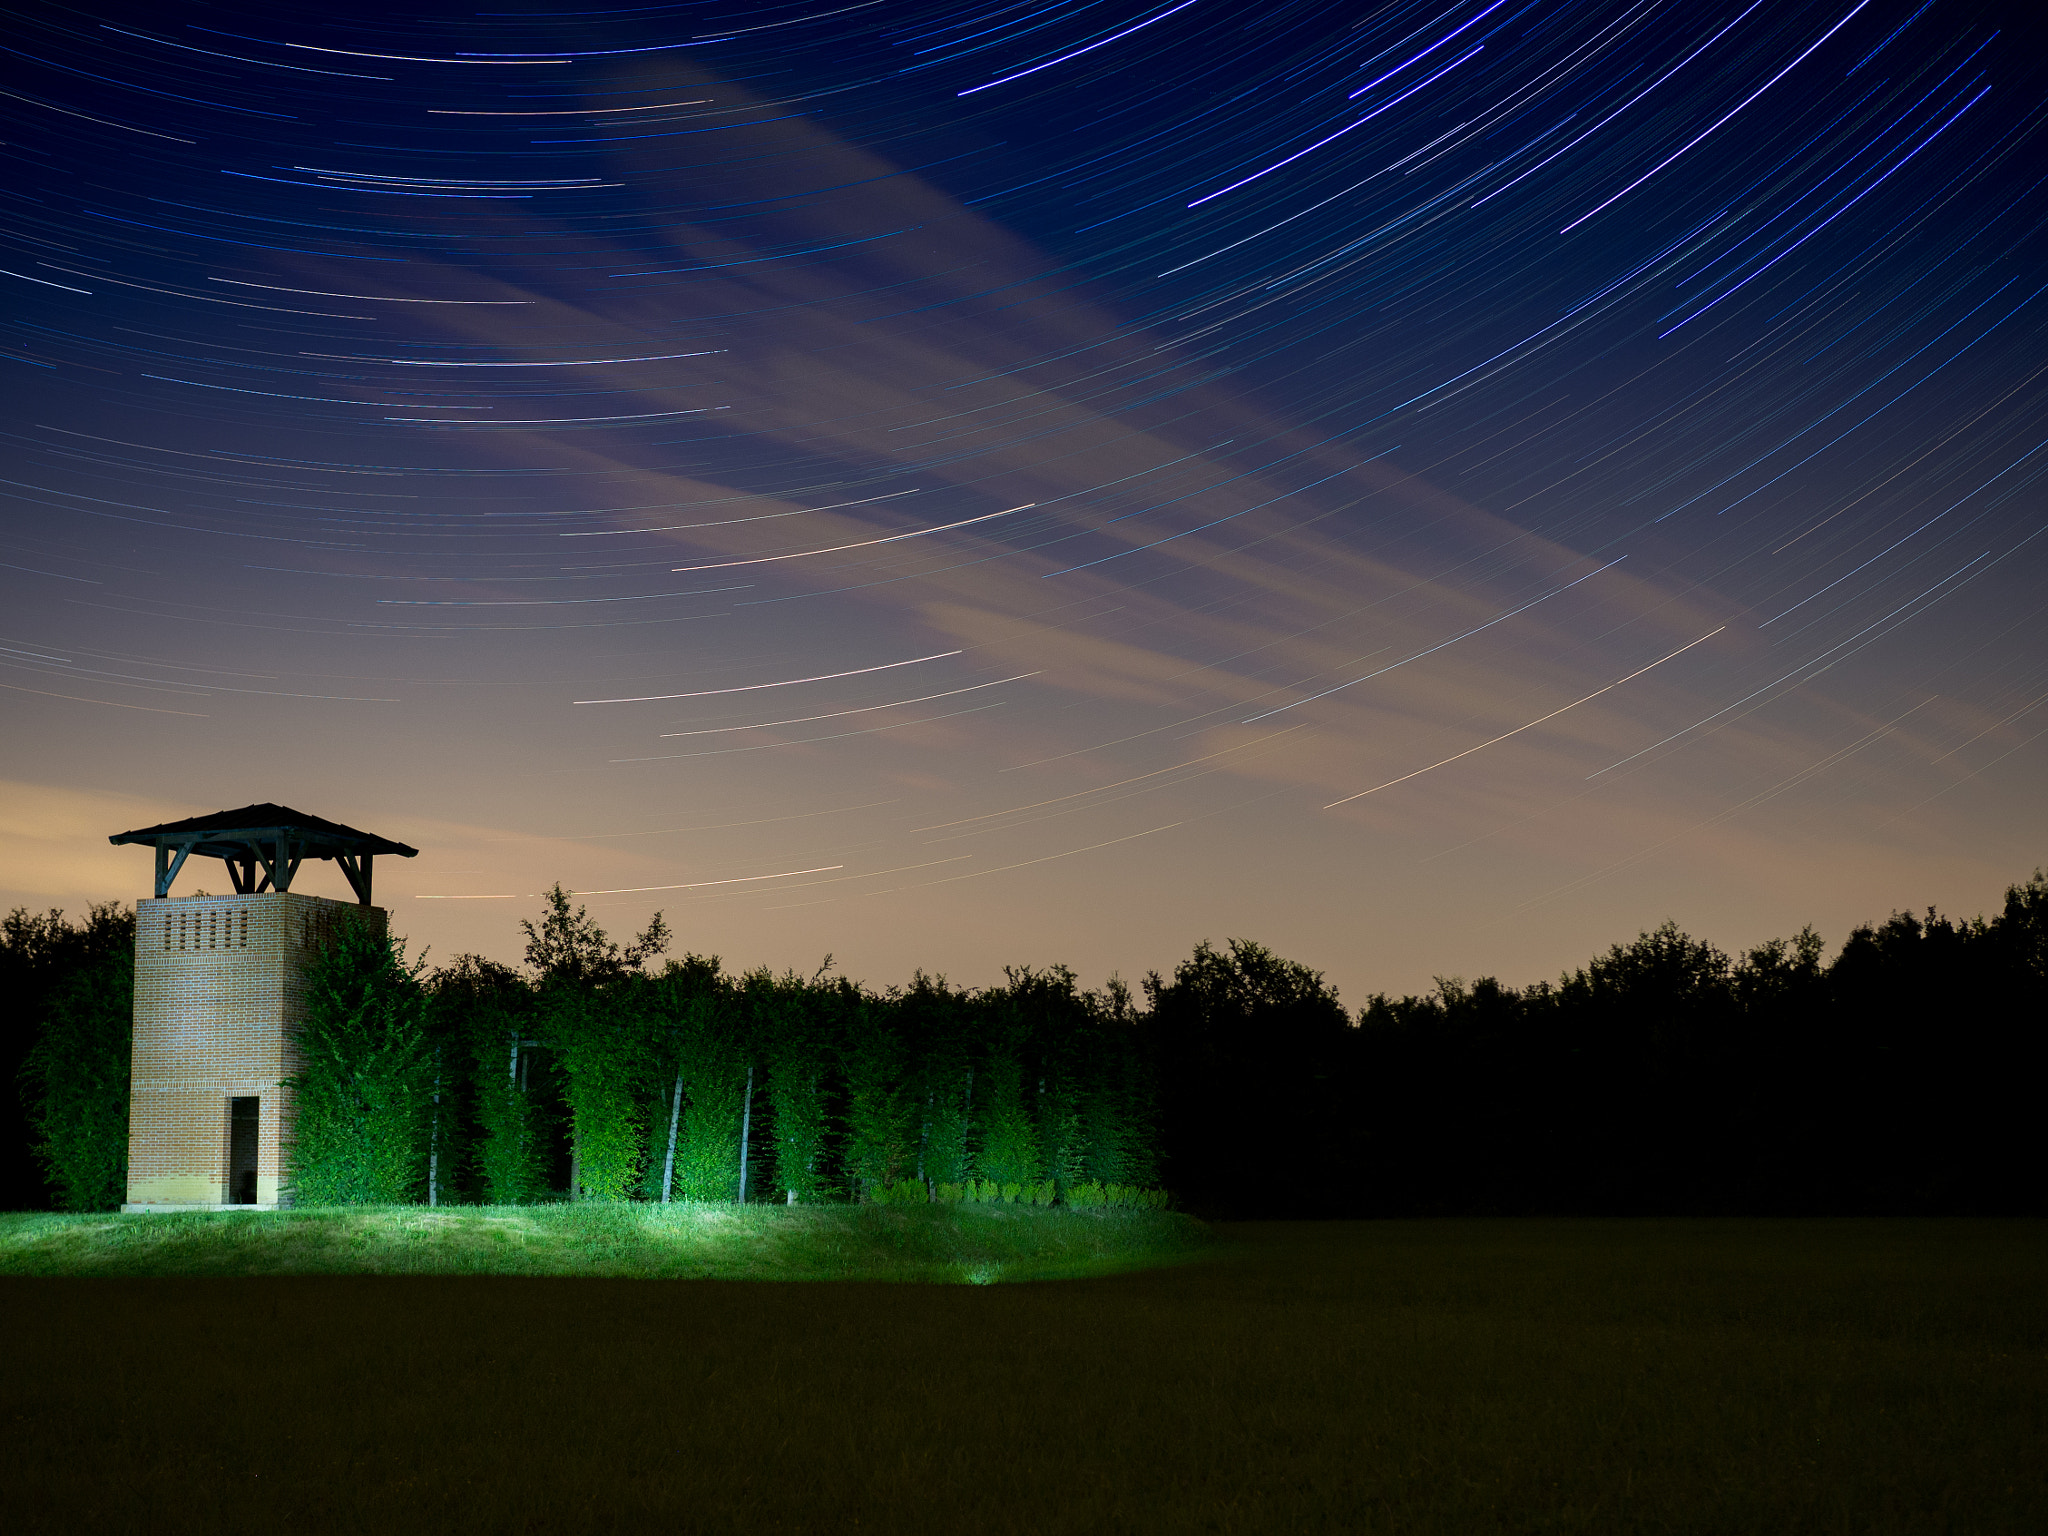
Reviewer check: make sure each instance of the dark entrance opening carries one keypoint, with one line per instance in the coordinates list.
(242, 1123)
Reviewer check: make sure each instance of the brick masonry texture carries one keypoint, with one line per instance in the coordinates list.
(220, 989)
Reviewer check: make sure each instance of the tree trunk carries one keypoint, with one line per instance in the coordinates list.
(434, 1140)
(675, 1115)
(924, 1136)
(746, 1130)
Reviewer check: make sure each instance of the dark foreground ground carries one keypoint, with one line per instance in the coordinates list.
(1726, 1377)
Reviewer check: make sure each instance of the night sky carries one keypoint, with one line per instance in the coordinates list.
(1436, 488)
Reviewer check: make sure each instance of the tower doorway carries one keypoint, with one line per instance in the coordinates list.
(244, 1119)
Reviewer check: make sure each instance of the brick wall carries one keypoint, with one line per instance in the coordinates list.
(220, 985)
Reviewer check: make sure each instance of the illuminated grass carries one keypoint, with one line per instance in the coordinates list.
(1879, 1378)
(973, 1244)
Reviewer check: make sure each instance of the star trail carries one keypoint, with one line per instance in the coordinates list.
(1145, 432)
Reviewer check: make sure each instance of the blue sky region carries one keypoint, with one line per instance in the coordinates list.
(1435, 488)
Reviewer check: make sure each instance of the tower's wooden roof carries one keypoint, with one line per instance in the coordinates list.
(229, 834)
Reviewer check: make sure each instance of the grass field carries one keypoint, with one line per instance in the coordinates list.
(973, 1244)
(1725, 1377)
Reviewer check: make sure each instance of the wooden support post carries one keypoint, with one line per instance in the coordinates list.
(167, 868)
(357, 871)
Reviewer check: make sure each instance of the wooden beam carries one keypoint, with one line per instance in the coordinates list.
(167, 868)
(357, 869)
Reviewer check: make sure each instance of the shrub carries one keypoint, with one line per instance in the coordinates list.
(1011, 1192)
(364, 1097)
(598, 1037)
(715, 1084)
(795, 1031)
(882, 1105)
(486, 1004)
(1009, 1142)
(76, 1084)
(902, 1192)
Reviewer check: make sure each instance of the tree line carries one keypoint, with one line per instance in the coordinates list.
(596, 1075)
(1663, 1077)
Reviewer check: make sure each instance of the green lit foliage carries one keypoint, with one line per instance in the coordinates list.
(1119, 1109)
(948, 1110)
(882, 1102)
(595, 1015)
(902, 1192)
(1095, 1196)
(599, 1036)
(684, 1085)
(707, 1039)
(1008, 1154)
(1028, 1127)
(676, 1083)
(937, 1023)
(75, 1079)
(363, 1099)
(796, 1027)
(1065, 1140)
(483, 1008)
(686, 992)
(1069, 1095)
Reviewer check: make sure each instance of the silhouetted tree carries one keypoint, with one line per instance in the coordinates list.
(1253, 1057)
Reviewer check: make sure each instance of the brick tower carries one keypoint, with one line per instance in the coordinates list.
(220, 985)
